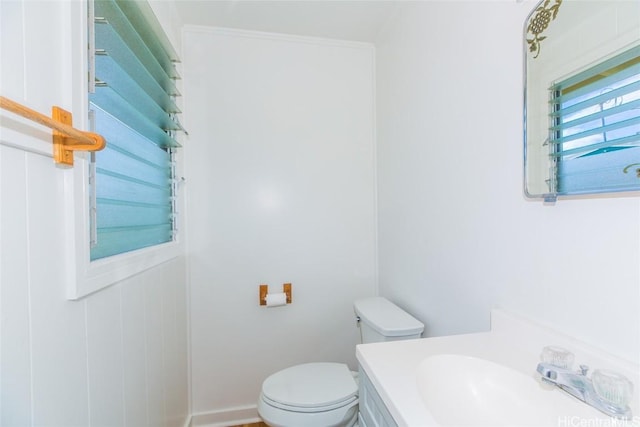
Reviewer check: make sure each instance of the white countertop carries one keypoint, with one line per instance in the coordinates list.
(513, 341)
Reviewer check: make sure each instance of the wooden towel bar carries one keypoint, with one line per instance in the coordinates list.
(66, 139)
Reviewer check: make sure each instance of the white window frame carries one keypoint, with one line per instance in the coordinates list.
(85, 277)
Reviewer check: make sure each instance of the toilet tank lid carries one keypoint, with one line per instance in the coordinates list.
(387, 318)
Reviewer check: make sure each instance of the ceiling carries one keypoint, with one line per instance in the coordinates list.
(358, 20)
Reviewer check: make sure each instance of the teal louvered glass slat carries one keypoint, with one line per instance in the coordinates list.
(598, 147)
(109, 100)
(630, 123)
(113, 241)
(595, 118)
(599, 95)
(121, 135)
(132, 215)
(122, 82)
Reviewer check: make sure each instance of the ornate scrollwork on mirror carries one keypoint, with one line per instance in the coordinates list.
(582, 97)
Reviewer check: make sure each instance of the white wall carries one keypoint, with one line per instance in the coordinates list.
(118, 357)
(456, 235)
(280, 183)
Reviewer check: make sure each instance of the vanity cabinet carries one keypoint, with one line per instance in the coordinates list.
(373, 412)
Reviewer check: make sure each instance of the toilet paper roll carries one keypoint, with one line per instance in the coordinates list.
(276, 300)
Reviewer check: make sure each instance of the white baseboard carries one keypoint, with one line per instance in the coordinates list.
(226, 417)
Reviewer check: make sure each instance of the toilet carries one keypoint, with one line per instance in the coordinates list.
(326, 394)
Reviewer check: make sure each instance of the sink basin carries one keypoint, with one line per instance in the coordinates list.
(461, 390)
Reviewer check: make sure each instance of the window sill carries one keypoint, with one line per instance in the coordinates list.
(96, 275)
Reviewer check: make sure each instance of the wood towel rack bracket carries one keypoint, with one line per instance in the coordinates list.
(66, 139)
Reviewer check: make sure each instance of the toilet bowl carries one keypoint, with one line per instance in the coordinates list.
(310, 395)
(326, 394)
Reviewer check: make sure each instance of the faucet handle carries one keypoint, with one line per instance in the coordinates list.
(584, 369)
(613, 387)
(557, 356)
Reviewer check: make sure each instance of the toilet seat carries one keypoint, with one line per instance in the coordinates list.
(311, 387)
(308, 410)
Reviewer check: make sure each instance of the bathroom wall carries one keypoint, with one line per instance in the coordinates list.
(117, 357)
(456, 235)
(280, 187)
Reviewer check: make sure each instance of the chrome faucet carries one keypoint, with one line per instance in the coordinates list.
(578, 385)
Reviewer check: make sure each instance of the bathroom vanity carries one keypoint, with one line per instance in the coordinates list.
(479, 379)
(373, 411)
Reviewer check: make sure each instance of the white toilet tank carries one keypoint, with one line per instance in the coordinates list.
(381, 320)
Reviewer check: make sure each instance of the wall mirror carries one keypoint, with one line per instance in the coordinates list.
(582, 98)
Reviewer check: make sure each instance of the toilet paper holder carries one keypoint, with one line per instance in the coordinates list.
(264, 290)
